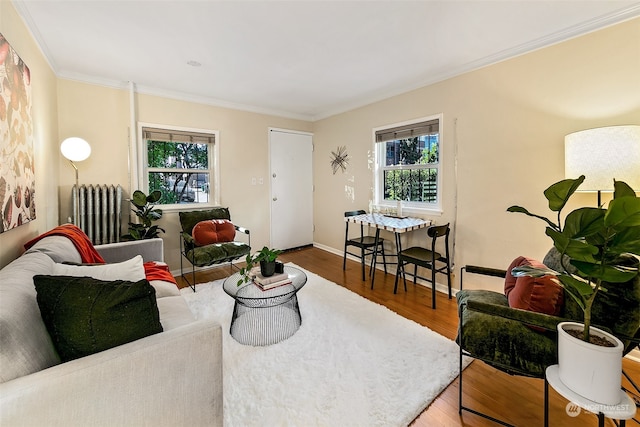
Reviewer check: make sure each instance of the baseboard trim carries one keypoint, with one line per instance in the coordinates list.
(439, 286)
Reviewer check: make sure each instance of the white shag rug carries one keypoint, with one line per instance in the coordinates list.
(351, 363)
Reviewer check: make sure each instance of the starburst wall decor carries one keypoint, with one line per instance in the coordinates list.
(339, 159)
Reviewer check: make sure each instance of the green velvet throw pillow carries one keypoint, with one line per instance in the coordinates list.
(85, 315)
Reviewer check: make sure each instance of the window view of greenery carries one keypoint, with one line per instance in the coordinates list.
(180, 170)
(410, 171)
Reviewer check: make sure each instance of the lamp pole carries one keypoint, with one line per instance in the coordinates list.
(75, 150)
(76, 195)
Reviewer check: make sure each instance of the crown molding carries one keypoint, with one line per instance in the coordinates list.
(584, 28)
(596, 24)
(23, 12)
(181, 96)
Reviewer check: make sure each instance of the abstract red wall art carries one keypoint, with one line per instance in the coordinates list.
(17, 172)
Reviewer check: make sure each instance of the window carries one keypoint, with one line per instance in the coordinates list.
(180, 164)
(408, 158)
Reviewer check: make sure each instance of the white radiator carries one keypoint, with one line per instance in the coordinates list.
(99, 210)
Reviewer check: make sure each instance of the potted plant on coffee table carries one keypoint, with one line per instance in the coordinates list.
(266, 258)
(598, 249)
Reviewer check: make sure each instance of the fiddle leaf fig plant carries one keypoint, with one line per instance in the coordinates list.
(598, 246)
(145, 210)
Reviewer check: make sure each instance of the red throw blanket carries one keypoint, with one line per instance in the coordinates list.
(89, 254)
(155, 271)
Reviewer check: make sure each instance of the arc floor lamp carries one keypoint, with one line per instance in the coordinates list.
(75, 149)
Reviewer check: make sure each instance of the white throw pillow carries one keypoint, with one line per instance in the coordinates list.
(131, 270)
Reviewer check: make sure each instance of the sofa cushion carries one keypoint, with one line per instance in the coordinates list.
(189, 219)
(213, 231)
(85, 315)
(216, 253)
(58, 248)
(25, 344)
(131, 270)
(81, 242)
(174, 312)
(539, 294)
(164, 289)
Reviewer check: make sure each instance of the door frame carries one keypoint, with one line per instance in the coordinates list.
(270, 174)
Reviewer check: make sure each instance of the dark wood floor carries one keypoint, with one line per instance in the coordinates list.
(515, 399)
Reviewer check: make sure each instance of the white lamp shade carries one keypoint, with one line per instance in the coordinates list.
(602, 155)
(75, 149)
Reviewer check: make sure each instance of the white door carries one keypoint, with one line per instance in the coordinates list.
(291, 177)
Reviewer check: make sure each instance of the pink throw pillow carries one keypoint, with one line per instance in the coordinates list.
(538, 294)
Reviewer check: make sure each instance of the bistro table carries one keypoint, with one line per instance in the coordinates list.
(395, 224)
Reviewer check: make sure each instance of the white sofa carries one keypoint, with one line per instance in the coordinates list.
(173, 378)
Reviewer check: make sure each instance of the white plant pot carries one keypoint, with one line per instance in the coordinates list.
(592, 371)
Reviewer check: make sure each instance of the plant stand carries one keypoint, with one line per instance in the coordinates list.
(624, 410)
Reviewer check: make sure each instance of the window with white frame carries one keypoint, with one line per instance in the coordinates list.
(180, 164)
(408, 159)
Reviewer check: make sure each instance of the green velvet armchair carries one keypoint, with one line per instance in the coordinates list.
(211, 254)
(522, 342)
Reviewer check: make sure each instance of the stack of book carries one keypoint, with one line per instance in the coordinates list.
(266, 283)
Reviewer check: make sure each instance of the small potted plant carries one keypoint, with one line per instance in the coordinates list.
(145, 210)
(598, 249)
(266, 258)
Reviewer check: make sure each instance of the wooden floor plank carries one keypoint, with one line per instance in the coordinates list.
(515, 399)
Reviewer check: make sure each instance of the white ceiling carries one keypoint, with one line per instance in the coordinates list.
(302, 59)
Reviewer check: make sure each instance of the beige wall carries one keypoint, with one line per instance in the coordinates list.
(507, 123)
(99, 115)
(45, 141)
(102, 116)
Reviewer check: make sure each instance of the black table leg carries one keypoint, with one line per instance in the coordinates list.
(375, 257)
(398, 243)
(398, 250)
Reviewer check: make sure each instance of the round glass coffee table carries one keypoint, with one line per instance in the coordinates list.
(265, 317)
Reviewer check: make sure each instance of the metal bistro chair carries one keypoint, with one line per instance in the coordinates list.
(367, 245)
(427, 258)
